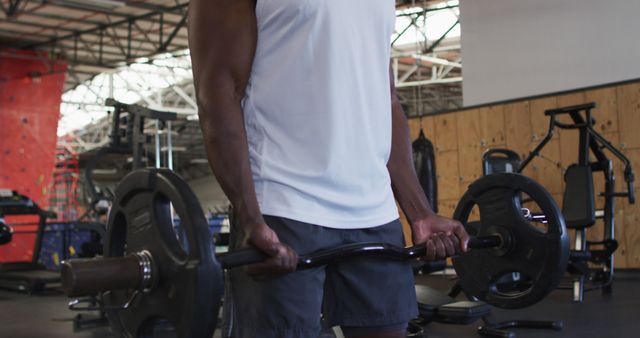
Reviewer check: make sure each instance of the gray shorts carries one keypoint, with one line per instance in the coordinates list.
(360, 292)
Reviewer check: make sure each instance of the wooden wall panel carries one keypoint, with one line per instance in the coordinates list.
(606, 112)
(468, 129)
(470, 164)
(429, 127)
(461, 137)
(518, 127)
(631, 222)
(539, 121)
(469, 144)
(448, 176)
(629, 114)
(492, 126)
(571, 99)
(447, 207)
(445, 133)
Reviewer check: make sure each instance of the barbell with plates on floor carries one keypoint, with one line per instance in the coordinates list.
(149, 279)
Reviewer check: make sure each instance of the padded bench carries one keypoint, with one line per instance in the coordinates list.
(435, 306)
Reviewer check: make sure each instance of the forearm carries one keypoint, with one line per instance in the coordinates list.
(406, 187)
(227, 151)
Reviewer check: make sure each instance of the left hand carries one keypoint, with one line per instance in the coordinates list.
(443, 236)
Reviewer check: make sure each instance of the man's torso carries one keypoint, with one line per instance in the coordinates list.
(318, 111)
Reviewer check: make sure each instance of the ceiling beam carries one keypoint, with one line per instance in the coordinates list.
(97, 28)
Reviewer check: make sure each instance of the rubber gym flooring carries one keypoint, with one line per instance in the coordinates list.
(599, 316)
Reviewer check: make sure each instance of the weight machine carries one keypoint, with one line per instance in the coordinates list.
(127, 137)
(579, 197)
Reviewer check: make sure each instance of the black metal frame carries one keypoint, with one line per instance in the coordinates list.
(131, 141)
(91, 45)
(25, 206)
(27, 276)
(12, 7)
(417, 15)
(113, 31)
(592, 143)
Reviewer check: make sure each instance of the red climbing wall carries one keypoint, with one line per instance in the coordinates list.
(30, 93)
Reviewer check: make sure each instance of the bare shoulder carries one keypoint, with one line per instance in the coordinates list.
(222, 41)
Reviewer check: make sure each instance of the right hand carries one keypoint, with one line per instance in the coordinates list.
(283, 259)
(444, 237)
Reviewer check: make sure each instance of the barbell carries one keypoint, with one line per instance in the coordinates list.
(150, 278)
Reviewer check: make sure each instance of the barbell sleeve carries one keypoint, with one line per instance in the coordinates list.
(83, 277)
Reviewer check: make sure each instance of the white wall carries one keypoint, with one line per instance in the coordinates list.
(210, 194)
(519, 48)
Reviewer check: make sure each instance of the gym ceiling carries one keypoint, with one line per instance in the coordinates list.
(97, 36)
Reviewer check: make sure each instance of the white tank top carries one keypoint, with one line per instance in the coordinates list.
(318, 111)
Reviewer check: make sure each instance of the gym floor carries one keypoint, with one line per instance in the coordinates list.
(599, 316)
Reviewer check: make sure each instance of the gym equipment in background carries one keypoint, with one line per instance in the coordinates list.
(579, 197)
(500, 160)
(30, 277)
(6, 233)
(127, 137)
(424, 161)
(151, 282)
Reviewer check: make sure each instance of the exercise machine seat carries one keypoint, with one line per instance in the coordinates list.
(578, 204)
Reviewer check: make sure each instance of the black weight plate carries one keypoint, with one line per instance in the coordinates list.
(538, 255)
(187, 291)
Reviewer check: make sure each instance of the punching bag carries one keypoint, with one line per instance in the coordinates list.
(425, 164)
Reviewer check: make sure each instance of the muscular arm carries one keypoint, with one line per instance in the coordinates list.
(222, 40)
(405, 183)
(425, 224)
